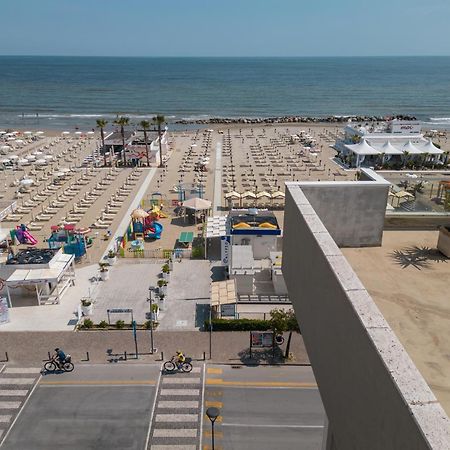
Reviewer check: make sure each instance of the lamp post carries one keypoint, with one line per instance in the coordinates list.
(213, 413)
(150, 300)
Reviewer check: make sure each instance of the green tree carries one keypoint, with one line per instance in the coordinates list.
(424, 159)
(405, 157)
(282, 321)
(145, 125)
(159, 120)
(123, 122)
(101, 123)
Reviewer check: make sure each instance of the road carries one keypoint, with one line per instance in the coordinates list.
(131, 406)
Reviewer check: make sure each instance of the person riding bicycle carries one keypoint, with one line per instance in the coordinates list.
(60, 356)
(180, 357)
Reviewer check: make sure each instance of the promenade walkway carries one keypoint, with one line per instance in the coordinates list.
(218, 180)
(30, 348)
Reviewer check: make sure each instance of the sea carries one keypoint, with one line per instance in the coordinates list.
(72, 92)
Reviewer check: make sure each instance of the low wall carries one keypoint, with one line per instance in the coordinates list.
(373, 395)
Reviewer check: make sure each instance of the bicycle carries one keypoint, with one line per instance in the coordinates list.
(52, 365)
(172, 365)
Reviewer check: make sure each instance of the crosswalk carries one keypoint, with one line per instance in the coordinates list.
(16, 384)
(177, 415)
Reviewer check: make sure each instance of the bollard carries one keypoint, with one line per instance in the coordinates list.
(204, 356)
(162, 356)
(125, 355)
(6, 358)
(49, 355)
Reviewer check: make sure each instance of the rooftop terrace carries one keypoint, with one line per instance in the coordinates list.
(408, 279)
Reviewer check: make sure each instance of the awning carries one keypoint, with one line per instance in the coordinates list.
(362, 148)
(197, 204)
(223, 293)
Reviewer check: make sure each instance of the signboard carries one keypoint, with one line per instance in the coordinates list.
(261, 339)
(120, 310)
(4, 310)
(228, 310)
(134, 328)
(225, 250)
(406, 127)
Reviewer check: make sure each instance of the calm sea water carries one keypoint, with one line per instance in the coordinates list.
(74, 91)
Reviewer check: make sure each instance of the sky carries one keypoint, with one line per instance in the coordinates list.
(225, 28)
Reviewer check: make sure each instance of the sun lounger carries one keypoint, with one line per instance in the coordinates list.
(32, 226)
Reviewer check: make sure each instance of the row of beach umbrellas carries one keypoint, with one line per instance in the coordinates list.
(256, 195)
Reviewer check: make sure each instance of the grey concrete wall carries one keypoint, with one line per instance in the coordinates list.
(352, 211)
(374, 396)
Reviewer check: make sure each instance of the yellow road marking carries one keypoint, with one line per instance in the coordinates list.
(218, 420)
(217, 434)
(93, 382)
(215, 404)
(220, 382)
(214, 370)
(208, 447)
(214, 393)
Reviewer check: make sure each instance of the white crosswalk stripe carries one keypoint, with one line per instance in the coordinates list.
(8, 381)
(10, 405)
(5, 418)
(171, 432)
(180, 380)
(173, 447)
(35, 370)
(177, 404)
(176, 418)
(12, 393)
(180, 392)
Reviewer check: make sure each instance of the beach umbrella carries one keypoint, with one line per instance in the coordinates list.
(263, 194)
(277, 194)
(248, 194)
(139, 214)
(23, 161)
(65, 133)
(59, 174)
(26, 182)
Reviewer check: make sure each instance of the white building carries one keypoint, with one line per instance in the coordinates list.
(391, 144)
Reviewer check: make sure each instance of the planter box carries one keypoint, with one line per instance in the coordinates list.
(443, 243)
(112, 261)
(104, 275)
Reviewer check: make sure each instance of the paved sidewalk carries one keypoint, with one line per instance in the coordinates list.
(30, 348)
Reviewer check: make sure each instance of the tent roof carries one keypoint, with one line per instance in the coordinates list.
(263, 194)
(362, 148)
(277, 194)
(248, 194)
(388, 149)
(197, 204)
(411, 148)
(430, 148)
(233, 194)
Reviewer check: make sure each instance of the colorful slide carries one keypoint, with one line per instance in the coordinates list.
(155, 231)
(30, 238)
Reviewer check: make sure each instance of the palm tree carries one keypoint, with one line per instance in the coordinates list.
(145, 125)
(405, 157)
(446, 157)
(101, 123)
(159, 120)
(424, 159)
(123, 122)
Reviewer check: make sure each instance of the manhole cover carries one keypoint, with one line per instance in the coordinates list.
(181, 323)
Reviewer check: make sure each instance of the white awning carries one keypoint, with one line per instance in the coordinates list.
(362, 148)
(411, 149)
(430, 148)
(388, 149)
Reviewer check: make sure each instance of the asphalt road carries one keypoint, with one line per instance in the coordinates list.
(114, 407)
(264, 408)
(94, 407)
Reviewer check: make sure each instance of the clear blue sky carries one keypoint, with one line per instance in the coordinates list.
(225, 28)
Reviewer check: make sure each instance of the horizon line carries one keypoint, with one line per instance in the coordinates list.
(224, 56)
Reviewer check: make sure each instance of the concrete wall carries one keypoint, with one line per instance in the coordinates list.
(374, 396)
(352, 211)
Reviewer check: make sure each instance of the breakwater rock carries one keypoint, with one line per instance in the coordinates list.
(291, 119)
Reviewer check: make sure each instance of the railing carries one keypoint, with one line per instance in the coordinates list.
(158, 254)
(263, 298)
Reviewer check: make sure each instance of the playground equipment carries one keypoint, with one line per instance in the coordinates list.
(21, 235)
(73, 241)
(144, 225)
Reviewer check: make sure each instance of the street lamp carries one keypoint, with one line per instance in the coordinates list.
(150, 299)
(213, 413)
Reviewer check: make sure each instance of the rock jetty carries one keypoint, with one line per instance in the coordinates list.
(292, 119)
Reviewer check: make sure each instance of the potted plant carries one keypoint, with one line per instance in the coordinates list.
(165, 271)
(112, 258)
(161, 301)
(162, 285)
(155, 311)
(86, 306)
(104, 275)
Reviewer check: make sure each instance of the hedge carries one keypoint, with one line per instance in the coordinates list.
(238, 325)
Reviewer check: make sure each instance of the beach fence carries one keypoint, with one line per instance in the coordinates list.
(157, 254)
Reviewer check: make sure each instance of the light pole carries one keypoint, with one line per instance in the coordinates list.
(213, 413)
(150, 300)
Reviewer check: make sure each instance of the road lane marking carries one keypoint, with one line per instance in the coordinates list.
(260, 425)
(152, 412)
(181, 392)
(214, 370)
(12, 393)
(177, 404)
(35, 370)
(200, 435)
(221, 382)
(214, 404)
(97, 382)
(9, 381)
(174, 447)
(5, 418)
(10, 405)
(217, 434)
(176, 418)
(171, 432)
(181, 381)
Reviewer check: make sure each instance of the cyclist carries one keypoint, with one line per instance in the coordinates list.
(59, 356)
(180, 357)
